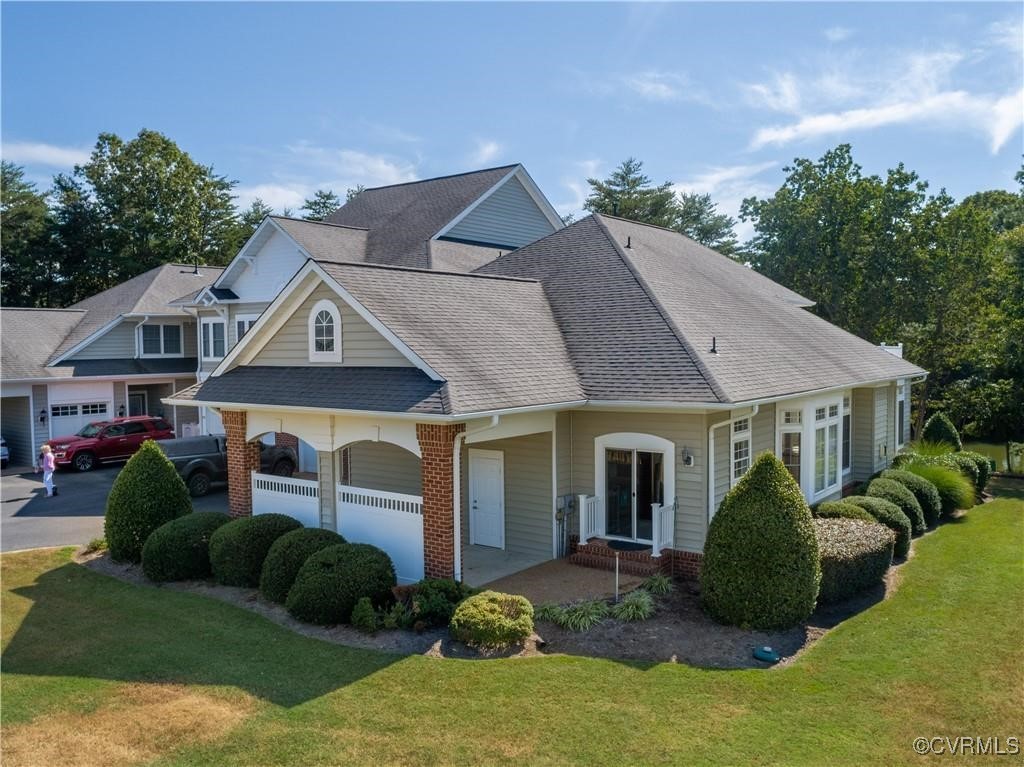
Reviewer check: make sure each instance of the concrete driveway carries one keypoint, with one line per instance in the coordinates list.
(74, 516)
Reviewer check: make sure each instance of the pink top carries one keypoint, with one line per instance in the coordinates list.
(48, 462)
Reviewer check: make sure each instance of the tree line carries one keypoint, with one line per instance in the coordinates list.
(133, 205)
(887, 261)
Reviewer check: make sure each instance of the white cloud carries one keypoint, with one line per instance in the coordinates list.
(1008, 34)
(486, 151)
(782, 94)
(277, 196)
(837, 34)
(578, 187)
(658, 86)
(34, 153)
(728, 186)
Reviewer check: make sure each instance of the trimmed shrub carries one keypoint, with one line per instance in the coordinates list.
(924, 491)
(179, 550)
(939, 428)
(854, 556)
(492, 619)
(637, 605)
(954, 488)
(433, 600)
(965, 466)
(332, 580)
(760, 566)
(983, 466)
(287, 555)
(890, 515)
(364, 617)
(841, 510)
(146, 493)
(894, 492)
(237, 549)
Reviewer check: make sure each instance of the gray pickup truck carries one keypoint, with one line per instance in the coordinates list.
(201, 461)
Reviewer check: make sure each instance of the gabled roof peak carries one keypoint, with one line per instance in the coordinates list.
(419, 270)
(443, 178)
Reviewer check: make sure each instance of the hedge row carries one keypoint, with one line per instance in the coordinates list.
(854, 556)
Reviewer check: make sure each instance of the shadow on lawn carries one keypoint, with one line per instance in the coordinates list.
(82, 624)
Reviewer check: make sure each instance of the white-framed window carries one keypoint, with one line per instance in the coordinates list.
(212, 338)
(812, 440)
(60, 411)
(847, 436)
(901, 413)
(740, 448)
(243, 323)
(826, 449)
(161, 340)
(791, 417)
(95, 408)
(324, 332)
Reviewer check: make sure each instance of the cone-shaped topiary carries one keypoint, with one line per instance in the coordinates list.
(939, 428)
(924, 491)
(287, 555)
(146, 493)
(179, 550)
(237, 549)
(760, 566)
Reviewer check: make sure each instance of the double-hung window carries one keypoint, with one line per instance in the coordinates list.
(901, 413)
(826, 447)
(740, 448)
(243, 323)
(847, 436)
(212, 339)
(161, 340)
(790, 439)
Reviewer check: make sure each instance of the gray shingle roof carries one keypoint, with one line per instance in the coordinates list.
(403, 217)
(639, 305)
(493, 339)
(28, 338)
(322, 239)
(126, 367)
(148, 293)
(385, 389)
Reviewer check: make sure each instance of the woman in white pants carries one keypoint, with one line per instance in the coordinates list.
(48, 465)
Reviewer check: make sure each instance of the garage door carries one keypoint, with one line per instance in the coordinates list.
(69, 419)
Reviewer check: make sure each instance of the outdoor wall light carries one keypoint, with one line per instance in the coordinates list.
(687, 457)
(120, 412)
(42, 416)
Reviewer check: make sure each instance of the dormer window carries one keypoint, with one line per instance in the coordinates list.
(324, 332)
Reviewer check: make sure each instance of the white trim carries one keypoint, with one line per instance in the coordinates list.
(498, 455)
(211, 321)
(323, 305)
(628, 440)
(256, 240)
(249, 320)
(899, 423)
(712, 508)
(808, 439)
(744, 435)
(162, 354)
(554, 488)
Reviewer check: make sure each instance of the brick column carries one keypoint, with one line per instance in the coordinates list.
(283, 439)
(436, 468)
(243, 459)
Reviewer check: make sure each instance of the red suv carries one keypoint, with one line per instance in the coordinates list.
(108, 441)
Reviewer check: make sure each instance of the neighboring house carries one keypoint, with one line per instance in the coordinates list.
(117, 353)
(474, 408)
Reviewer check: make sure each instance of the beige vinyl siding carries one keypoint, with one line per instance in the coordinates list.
(385, 466)
(563, 453)
(863, 420)
(188, 340)
(723, 457)
(361, 344)
(528, 496)
(41, 404)
(116, 343)
(16, 417)
(234, 311)
(689, 431)
(762, 439)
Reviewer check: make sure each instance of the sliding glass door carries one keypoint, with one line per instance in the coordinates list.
(634, 481)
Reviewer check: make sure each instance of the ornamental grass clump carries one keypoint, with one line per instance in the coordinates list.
(582, 616)
(658, 584)
(855, 556)
(637, 605)
(760, 566)
(955, 490)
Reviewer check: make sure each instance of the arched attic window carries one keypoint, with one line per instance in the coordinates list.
(324, 332)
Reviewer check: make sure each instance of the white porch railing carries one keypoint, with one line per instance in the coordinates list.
(591, 520)
(298, 498)
(664, 523)
(390, 521)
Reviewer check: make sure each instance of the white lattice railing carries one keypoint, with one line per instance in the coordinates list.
(298, 498)
(591, 521)
(390, 521)
(664, 519)
(380, 499)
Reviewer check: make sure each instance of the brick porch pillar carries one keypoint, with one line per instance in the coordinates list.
(243, 459)
(283, 439)
(436, 468)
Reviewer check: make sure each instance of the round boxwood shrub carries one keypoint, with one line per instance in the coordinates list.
(953, 487)
(984, 468)
(841, 510)
(179, 550)
(146, 493)
(492, 619)
(939, 428)
(333, 580)
(237, 549)
(925, 492)
(894, 492)
(888, 514)
(854, 556)
(433, 600)
(966, 466)
(286, 557)
(760, 567)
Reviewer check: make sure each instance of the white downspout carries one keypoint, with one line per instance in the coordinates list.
(460, 439)
(711, 452)
(138, 351)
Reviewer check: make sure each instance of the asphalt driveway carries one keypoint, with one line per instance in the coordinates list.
(74, 516)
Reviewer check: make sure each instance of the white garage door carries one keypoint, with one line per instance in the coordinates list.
(69, 419)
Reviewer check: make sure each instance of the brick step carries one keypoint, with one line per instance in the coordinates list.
(600, 561)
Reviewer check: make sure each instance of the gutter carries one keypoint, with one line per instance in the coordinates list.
(711, 452)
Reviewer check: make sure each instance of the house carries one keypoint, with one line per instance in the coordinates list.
(116, 353)
(481, 395)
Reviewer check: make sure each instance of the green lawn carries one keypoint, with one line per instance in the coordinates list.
(93, 667)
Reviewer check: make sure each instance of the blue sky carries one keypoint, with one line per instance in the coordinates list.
(715, 98)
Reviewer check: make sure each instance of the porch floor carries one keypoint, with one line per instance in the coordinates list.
(559, 581)
(482, 564)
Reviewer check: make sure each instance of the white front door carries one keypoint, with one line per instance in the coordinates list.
(487, 498)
